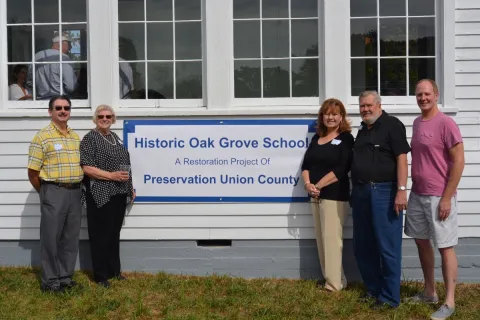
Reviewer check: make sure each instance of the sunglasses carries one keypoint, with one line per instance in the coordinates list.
(101, 116)
(66, 108)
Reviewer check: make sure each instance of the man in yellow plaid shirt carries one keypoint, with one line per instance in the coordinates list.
(55, 173)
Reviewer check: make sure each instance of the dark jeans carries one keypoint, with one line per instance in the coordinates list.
(377, 239)
(104, 225)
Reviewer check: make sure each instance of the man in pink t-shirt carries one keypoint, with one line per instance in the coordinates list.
(437, 166)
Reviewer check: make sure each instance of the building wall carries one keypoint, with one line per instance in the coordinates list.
(276, 233)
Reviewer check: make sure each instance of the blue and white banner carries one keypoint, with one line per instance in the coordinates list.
(218, 160)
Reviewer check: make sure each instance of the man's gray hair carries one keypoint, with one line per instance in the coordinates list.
(378, 99)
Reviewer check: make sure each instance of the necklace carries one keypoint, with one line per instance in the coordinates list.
(114, 140)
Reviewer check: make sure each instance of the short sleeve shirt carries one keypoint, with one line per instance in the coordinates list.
(431, 164)
(106, 153)
(376, 150)
(56, 155)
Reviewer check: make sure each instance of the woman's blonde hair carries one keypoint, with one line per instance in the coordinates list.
(327, 106)
(101, 108)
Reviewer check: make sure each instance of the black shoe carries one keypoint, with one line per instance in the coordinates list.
(367, 298)
(56, 289)
(72, 285)
(379, 305)
(105, 284)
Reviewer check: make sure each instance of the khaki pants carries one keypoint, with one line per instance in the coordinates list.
(329, 217)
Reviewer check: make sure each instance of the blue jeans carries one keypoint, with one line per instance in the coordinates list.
(377, 239)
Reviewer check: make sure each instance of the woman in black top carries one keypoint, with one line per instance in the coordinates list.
(325, 170)
(107, 189)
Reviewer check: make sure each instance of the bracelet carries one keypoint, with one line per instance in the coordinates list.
(305, 184)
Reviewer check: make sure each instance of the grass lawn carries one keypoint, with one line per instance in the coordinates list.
(163, 296)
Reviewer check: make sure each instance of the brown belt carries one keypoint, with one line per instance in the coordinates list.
(75, 185)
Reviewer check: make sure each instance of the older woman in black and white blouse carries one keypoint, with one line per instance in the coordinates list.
(107, 190)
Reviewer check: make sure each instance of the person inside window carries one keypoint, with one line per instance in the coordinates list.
(17, 90)
(107, 190)
(325, 170)
(48, 80)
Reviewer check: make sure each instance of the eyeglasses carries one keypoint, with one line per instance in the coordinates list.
(66, 108)
(101, 116)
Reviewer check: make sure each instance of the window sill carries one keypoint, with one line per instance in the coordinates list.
(204, 112)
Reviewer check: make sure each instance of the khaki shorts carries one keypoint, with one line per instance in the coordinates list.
(422, 221)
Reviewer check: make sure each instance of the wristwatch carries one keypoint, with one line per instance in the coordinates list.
(402, 188)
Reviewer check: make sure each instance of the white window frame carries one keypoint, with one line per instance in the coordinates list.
(218, 66)
(444, 59)
(38, 104)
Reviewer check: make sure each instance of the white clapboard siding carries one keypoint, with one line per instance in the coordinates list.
(194, 210)
(25, 186)
(467, 15)
(20, 210)
(174, 221)
(467, 4)
(27, 135)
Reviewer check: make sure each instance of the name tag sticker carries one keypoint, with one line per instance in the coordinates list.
(336, 142)
(58, 146)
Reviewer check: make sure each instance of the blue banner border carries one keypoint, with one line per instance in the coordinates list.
(130, 125)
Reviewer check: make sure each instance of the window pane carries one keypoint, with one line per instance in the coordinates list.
(159, 10)
(421, 68)
(131, 10)
(393, 77)
(132, 41)
(74, 10)
(304, 38)
(126, 79)
(160, 41)
(392, 8)
(364, 8)
(305, 77)
(132, 80)
(246, 9)
(421, 34)
(188, 40)
(364, 75)
(274, 8)
(276, 78)
(160, 80)
(19, 11)
(189, 80)
(188, 10)
(19, 44)
(78, 35)
(421, 7)
(80, 75)
(393, 35)
(17, 76)
(275, 39)
(46, 11)
(364, 37)
(46, 39)
(247, 79)
(304, 8)
(246, 39)
(49, 84)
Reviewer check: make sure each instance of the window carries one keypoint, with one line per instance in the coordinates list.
(393, 45)
(37, 31)
(160, 49)
(224, 56)
(276, 51)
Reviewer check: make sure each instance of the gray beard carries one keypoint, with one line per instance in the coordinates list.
(371, 120)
